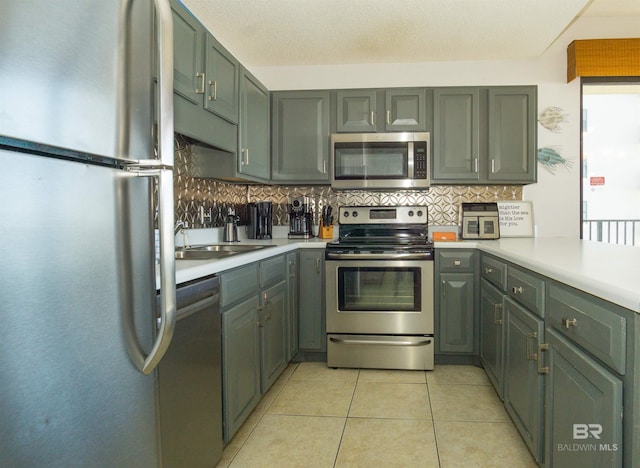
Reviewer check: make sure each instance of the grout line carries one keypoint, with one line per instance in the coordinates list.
(433, 421)
(335, 460)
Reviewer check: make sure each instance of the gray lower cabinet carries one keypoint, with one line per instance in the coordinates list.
(492, 328)
(255, 152)
(523, 384)
(273, 334)
(241, 364)
(300, 137)
(254, 307)
(292, 300)
(311, 301)
(456, 297)
(583, 409)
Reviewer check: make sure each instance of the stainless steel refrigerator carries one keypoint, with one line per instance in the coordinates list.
(79, 336)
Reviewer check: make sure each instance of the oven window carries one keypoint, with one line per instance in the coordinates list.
(379, 289)
(377, 160)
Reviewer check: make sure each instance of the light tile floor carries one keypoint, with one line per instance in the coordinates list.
(314, 416)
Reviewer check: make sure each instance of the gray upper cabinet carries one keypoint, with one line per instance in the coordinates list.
(405, 110)
(202, 68)
(356, 110)
(512, 134)
(379, 110)
(456, 145)
(221, 81)
(300, 137)
(188, 41)
(484, 135)
(255, 158)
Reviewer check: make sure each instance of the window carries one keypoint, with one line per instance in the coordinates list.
(611, 161)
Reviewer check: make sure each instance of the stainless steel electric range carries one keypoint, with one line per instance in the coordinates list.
(379, 276)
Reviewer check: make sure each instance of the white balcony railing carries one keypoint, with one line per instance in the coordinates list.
(612, 231)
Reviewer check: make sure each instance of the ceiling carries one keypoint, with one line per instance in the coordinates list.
(264, 33)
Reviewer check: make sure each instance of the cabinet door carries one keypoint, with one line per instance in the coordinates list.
(241, 364)
(300, 136)
(188, 57)
(492, 334)
(457, 299)
(523, 385)
(292, 306)
(273, 322)
(583, 409)
(405, 110)
(512, 134)
(456, 134)
(313, 334)
(356, 111)
(221, 96)
(255, 156)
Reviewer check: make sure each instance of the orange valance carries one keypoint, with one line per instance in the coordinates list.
(603, 57)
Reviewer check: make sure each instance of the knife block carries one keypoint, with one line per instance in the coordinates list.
(325, 232)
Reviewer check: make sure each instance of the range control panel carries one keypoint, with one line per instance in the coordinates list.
(383, 214)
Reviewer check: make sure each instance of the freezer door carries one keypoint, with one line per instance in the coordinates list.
(77, 296)
(63, 76)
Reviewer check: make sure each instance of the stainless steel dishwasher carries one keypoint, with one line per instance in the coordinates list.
(190, 379)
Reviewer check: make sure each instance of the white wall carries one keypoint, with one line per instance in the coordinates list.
(556, 198)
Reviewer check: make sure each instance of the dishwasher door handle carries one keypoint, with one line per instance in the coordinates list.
(196, 306)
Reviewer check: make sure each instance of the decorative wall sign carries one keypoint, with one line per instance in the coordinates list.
(516, 219)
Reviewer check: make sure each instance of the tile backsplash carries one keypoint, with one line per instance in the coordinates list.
(191, 193)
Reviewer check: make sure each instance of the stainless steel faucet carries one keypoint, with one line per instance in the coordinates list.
(180, 227)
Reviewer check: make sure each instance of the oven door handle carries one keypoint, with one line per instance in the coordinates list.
(381, 342)
(374, 256)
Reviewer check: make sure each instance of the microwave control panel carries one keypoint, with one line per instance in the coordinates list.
(420, 160)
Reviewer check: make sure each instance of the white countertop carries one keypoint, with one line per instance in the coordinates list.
(611, 272)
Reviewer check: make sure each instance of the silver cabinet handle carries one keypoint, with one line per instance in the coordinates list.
(317, 265)
(496, 320)
(542, 347)
(488, 270)
(372, 118)
(517, 290)
(568, 323)
(493, 166)
(444, 288)
(168, 315)
(213, 85)
(244, 161)
(388, 117)
(531, 356)
(324, 166)
(200, 90)
(292, 272)
(475, 164)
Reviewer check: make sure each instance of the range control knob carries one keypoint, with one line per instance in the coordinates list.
(410, 212)
(354, 214)
(419, 213)
(346, 214)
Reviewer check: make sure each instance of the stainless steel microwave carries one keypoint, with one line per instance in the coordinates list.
(380, 161)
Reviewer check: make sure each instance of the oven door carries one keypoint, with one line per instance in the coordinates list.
(390, 297)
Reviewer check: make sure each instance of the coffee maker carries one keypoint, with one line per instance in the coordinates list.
(259, 220)
(300, 218)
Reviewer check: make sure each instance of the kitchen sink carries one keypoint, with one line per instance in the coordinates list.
(213, 251)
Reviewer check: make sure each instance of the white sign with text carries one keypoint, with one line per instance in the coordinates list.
(516, 219)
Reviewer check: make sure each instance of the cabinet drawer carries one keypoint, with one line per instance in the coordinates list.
(526, 288)
(238, 284)
(272, 271)
(494, 271)
(457, 260)
(589, 322)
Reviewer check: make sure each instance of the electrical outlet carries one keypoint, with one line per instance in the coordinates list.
(205, 215)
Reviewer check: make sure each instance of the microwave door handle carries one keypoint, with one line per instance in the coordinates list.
(410, 160)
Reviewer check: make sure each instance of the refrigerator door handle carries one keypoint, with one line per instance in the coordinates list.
(162, 169)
